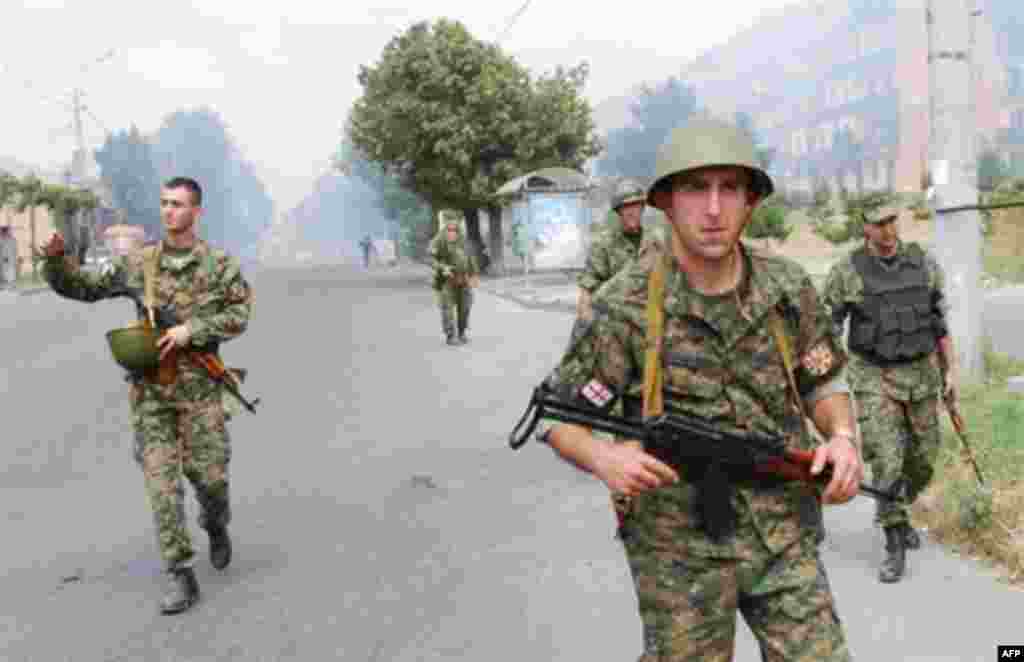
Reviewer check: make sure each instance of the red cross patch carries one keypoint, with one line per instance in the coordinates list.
(596, 393)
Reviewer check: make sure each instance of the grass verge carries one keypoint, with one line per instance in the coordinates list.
(985, 523)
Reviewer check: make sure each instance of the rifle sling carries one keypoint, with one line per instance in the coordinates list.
(714, 486)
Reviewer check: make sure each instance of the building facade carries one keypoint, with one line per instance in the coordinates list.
(839, 91)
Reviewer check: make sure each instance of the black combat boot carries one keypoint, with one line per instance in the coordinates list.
(180, 592)
(911, 538)
(220, 547)
(463, 339)
(895, 562)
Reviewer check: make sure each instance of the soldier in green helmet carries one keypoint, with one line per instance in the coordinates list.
(616, 246)
(455, 275)
(177, 410)
(901, 357)
(748, 345)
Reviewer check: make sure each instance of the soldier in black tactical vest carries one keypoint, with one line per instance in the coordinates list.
(901, 357)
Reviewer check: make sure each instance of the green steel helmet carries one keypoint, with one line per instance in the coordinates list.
(134, 348)
(883, 214)
(704, 143)
(626, 192)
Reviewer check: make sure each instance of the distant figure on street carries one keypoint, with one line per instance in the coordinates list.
(8, 258)
(367, 245)
(177, 411)
(455, 276)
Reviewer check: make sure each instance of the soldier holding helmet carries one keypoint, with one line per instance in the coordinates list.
(180, 422)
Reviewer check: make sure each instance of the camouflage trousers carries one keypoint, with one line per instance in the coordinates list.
(901, 444)
(688, 603)
(455, 303)
(175, 439)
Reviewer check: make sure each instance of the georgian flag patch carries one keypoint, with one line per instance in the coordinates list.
(596, 393)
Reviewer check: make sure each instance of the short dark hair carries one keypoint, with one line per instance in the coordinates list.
(754, 191)
(189, 183)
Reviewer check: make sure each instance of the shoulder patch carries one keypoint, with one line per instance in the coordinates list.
(597, 394)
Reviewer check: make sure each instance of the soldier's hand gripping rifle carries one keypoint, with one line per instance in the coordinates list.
(165, 317)
(676, 438)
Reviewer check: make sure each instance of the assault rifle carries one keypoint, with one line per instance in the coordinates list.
(767, 455)
(165, 317)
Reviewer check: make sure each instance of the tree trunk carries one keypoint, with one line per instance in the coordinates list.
(497, 240)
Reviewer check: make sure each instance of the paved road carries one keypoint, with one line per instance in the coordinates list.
(379, 515)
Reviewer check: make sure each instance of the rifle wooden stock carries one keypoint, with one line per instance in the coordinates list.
(214, 367)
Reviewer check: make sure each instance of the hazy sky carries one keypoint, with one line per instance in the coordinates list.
(283, 75)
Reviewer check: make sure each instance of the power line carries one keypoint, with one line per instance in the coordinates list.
(512, 21)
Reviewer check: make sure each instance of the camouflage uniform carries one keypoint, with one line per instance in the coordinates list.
(454, 295)
(897, 404)
(721, 362)
(609, 253)
(179, 428)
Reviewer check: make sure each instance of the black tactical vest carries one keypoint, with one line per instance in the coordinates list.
(895, 322)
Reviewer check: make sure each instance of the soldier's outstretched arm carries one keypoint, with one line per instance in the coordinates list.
(70, 282)
(226, 315)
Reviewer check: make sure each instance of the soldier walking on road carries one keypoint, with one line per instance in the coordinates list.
(617, 246)
(179, 422)
(712, 540)
(8, 258)
(455, 276)
(902, 356)
(367, 245)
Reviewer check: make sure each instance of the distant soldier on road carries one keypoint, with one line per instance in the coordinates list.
(902, 356)
(8, 257)
(179, 422)
(616, 246)
(367, 245)
(455, 276)
(748, 346)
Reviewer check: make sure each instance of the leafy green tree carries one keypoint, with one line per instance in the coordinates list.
(769, 222)
(454, 118)
(9, 186)
(127, 164)
(851, 225)
(631, 151)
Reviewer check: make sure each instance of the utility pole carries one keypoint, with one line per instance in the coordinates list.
(953, 169)
(78, 159)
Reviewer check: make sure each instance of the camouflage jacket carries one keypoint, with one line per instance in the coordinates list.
(609, 253)
(452, 254)
(912, 381)
(205, 285)
(721, 362)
